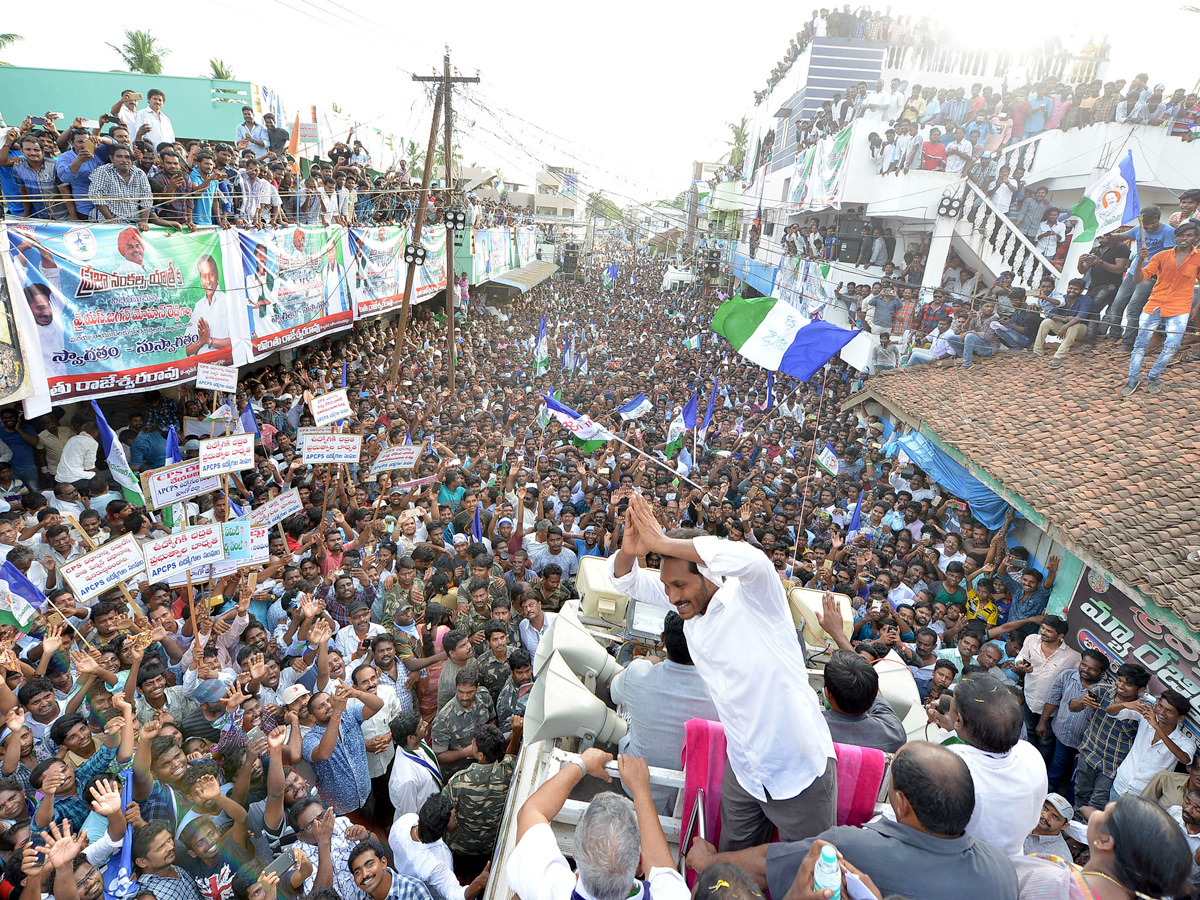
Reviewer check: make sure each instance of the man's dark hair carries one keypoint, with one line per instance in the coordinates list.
(1173, 698)
(1058, 623)
(1134, 673)
(852, 682)
(991, 716)
(404, 726)
(945, 664)
(433, 818)
(453, 639)
(63, 725)
(1093, 653)
(551, 569)
(494, 626)
(519, 659)
(489, 740)
(466, 678)
(674, 640)
(144, 836)
(32, 688)
(297, 809)
(370, 845)
(938, 786)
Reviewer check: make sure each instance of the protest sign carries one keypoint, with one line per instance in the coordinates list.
(217, 378)
(232, 453)
(259, 552)
(206, 428)
(323, 449)
(235, 539)
(174, 484)
(94, 573)
(407, 485)
(402, 457)
(190, 549)
(329, 408)
(277, 508)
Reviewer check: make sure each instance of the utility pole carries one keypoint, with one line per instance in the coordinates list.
(447, 82)
(418, 224)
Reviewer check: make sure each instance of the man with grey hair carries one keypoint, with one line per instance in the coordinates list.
(611, 837)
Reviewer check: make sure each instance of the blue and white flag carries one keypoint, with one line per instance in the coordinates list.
(635, 408)
(249, 422)
(680, 426)
(708, 413)
(120, 880)
(827, 460)
(477, 527)
(1109, 203)
(770, 390)
(692, 343)
(118, 466)
(567, 363)
(855, 524)
(541, 351)
(173, 454)
(610, 275)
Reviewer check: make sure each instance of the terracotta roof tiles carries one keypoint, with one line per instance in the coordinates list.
(1119, 477)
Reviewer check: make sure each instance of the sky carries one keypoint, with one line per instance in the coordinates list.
(629, 93)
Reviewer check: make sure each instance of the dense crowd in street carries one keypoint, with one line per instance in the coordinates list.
(343, 720)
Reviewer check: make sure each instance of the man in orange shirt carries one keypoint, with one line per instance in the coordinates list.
(1170, 303)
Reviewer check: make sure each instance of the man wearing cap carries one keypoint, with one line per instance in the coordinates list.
(1047, 838)
(589, 544)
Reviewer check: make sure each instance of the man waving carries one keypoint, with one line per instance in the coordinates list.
(781, 768)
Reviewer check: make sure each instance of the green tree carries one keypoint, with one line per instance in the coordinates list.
(415, 158)
(737, 146)
(218, 69)
(142, 52)
(679, 201)
(6, 40)
(600, 206)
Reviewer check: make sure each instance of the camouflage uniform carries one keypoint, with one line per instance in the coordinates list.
(478, 795)
(446, 685)
(493, 672)
(455, 727)
(511, 702)
(474, 620)
(395, 596)
(553, 601)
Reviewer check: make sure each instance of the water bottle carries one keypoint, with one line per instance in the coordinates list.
(828, 874)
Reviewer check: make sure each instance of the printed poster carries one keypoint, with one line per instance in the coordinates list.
(291, 287)
(119, 310)
(377, 269)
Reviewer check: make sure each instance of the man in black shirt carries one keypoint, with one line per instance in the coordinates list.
(277, 138)
(1106, 265)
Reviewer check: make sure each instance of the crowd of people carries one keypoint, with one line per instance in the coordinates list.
(342, 721)
(128, 166)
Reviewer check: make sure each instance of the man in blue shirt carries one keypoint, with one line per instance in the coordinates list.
(21, 439)
(1069, 321)
(336, 748)
(206, 180)
(148, 450)
(1156, 236)
(74, 169)
(252, 136)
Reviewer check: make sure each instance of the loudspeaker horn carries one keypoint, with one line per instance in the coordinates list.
(560, 706)
(581, 652)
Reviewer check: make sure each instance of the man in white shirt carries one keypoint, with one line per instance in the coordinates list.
(1043, 657)
(958, 152)
(250, 135)
(420, 851)
(335, 283)
(150, 123)
(209, 326)
(1160, 742)
(416, 773)
(349, 640)
(78, 461)
(610, 839)
(875, 106)
(1009, 774)
(781, 767)
(896, 100)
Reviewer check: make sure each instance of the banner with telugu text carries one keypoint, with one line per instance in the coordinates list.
(119, 310)
(377, 269)
(287, 287)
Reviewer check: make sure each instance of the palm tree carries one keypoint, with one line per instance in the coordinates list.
(415, 157)
(219, 70)
(142, 52)
(5, 40)
(737, 147)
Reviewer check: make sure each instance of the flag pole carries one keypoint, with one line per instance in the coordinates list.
(657, 462)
